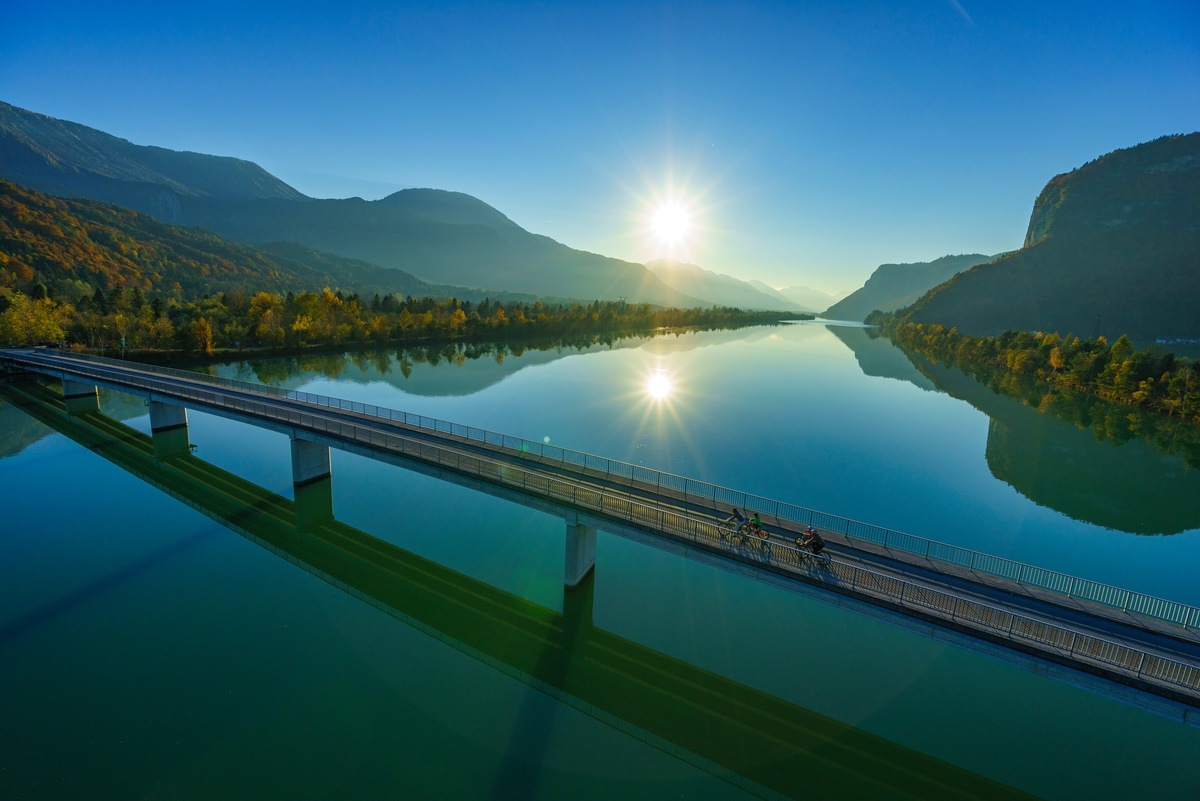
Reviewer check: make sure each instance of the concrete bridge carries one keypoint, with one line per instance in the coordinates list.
(1135, 640)
(762, 743)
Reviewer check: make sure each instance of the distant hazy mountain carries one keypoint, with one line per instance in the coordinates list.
(716, 288)
(893, 286)
(1112, 248)
(807, 298)
(443, 237)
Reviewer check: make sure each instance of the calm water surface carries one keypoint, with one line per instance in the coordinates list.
(147, 651)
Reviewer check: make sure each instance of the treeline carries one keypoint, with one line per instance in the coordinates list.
(128, 320)
(1143, 379)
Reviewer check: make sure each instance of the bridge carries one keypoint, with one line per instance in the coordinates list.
(1133, 639)
(754, 740)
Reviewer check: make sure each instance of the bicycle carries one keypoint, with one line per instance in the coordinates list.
(804, 550)
(742, 529)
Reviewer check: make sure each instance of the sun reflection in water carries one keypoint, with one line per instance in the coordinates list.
(659, 386)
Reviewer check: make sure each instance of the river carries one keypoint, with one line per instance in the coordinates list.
(149, 651)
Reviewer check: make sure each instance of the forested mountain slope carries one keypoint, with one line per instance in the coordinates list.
(73, 247)
(1112, 248)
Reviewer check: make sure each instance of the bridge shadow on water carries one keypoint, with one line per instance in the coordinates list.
(759, 742)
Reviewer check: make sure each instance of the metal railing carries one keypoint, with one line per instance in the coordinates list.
(1185, 615)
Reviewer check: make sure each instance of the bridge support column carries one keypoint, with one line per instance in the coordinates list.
(581, 552)
(169, 429)
(312, 482)
(79, 397)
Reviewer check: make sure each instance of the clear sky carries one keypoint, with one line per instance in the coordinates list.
(806, 143)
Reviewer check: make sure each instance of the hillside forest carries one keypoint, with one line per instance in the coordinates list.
(1144, 379)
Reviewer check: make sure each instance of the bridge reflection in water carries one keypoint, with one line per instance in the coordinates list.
(753, 740)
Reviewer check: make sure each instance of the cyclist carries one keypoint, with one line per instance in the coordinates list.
(810, 540)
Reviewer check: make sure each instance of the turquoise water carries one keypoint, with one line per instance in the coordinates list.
(148, 651)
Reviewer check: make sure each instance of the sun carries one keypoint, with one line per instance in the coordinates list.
(671, 222)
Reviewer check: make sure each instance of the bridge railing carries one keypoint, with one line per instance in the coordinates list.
(1184, 615)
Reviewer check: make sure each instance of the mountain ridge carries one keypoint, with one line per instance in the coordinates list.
(1112, 248)
(718, 288)
(894, 286)
(440, 237)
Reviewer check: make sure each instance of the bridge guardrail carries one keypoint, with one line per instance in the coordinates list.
(1181, 614)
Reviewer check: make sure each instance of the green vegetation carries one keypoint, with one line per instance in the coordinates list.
(1145, 380)
(265, 320)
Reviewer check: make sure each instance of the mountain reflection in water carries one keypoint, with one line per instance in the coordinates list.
(1103, 464)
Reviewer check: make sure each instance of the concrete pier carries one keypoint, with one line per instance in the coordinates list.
(164, 417)
(310, 462)
(169, 430)
(312, 483)
(581, 552)
(79, 397)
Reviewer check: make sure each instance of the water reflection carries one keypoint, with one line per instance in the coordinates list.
(1089, 459)
(18, 430)
(659, 386)
(752, 739)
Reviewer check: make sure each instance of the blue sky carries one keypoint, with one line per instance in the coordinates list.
(809, 141)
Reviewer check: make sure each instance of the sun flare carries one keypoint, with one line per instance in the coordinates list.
(671, 222)
(659, 386)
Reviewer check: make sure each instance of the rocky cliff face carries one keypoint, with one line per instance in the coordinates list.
(1112, 248)
(1155, 184)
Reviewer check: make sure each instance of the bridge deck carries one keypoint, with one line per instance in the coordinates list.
(1141, 651)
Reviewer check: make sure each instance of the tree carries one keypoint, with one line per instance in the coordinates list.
(199, 337)
(28, 320)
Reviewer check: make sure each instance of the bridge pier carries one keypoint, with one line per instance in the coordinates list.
(169, 429)
(581, 552)
(79, 397)
(312, 483)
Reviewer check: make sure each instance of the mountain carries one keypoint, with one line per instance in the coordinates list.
(496, 254)
(1112, 248)
(893, 286)
(717, 288)
(807, 298)
(65, 158)
(442, 237)
(74, 247)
